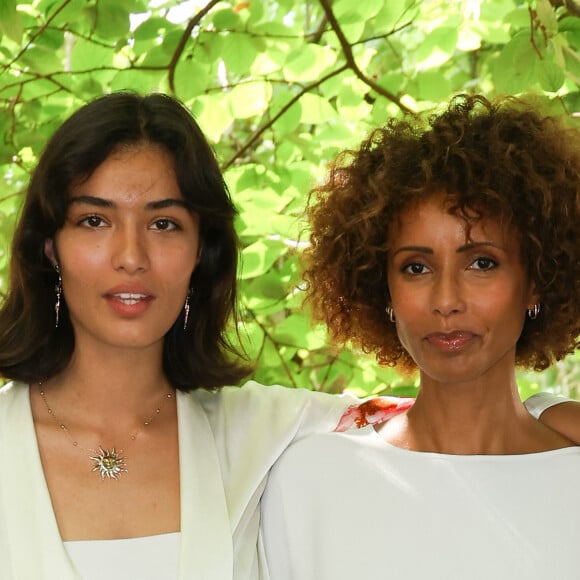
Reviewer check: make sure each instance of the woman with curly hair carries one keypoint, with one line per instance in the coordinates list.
(448, 246)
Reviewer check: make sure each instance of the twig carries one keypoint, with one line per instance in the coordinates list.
(347, 50)
(276, 344)
(285, 108)
(37, 34)
(183, 41)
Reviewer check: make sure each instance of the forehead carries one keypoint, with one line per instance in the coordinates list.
(438, 216)
(132, 174)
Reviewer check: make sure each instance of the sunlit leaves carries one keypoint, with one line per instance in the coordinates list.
(278, 97)
(259, 257)
(10, 20)
(308, 63)
(250, 99)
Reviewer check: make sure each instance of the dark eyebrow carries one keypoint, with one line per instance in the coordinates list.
(152, 205)
(91, 200)
(169, 202)
(423, 249)
(464, 248)
(472, 245)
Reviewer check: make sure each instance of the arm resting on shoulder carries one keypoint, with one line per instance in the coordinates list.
(558, 413)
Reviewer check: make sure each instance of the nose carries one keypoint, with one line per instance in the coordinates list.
(130, 250)
(447, 294)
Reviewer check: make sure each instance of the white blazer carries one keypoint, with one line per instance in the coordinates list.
(228, 440)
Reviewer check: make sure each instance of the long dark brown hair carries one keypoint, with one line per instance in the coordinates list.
(31, 348)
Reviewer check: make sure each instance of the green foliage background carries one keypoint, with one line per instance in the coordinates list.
(279, 87)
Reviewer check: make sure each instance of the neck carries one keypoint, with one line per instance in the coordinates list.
(459, 419)
(484, 417)
(114, 386)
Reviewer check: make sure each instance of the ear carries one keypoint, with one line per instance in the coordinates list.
(533, 297)
(50, 252)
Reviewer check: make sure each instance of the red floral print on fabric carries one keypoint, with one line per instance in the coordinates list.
(373, 412)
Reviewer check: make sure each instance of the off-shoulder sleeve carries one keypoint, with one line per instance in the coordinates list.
(537, 404)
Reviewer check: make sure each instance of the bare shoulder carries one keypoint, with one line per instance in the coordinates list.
(564, 418)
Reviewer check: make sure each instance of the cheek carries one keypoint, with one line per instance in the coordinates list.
(83, 269)
(503, 299)
(409, 302)
(176, 266)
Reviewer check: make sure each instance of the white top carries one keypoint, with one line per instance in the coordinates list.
(341, 506)
(146, 558)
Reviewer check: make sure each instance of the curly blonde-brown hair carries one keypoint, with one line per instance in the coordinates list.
(502, 158)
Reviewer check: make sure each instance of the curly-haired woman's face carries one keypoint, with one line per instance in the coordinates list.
(459, 300)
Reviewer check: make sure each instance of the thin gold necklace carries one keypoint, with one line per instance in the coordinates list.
(108, 463)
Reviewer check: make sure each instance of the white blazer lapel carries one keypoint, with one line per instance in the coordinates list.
(206, 537)
(34, 545)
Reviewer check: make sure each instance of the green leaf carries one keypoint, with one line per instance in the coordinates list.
(551, 76)
(349, 12)
(191, 78)
(61, 13)
(259, 257)
(547, 17)
(239, 53)
(136, 80)
(10, 20)
(437, 48)
(226, 18)
(515, 70)
(296, 330)
(308, 63)
(391, 14)
(87, 55)
(150, 29)
(290, 120)
(112, 20)
(315, 110)
(266, 293)
(432, 86)
(247, 100)
(213, 115)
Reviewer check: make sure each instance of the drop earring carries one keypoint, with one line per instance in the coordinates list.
(186, 309)
(58, 290)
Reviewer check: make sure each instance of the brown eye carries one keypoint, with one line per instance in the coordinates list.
(92, 221)
(165, 224)
(484, 264)
(415, 269)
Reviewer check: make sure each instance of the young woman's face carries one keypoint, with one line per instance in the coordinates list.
(459, 300)
(127, 250)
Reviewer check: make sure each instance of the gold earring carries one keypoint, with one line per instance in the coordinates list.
(186, 309)
(58, 290)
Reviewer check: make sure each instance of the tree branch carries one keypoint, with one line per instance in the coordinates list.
(277, 345)
(285, 108)
(351, 63)
(37, 34)
(183, 41)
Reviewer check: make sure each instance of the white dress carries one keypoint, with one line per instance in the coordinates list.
(342, 506)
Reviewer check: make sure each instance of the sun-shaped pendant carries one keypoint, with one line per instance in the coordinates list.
(108, 463)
